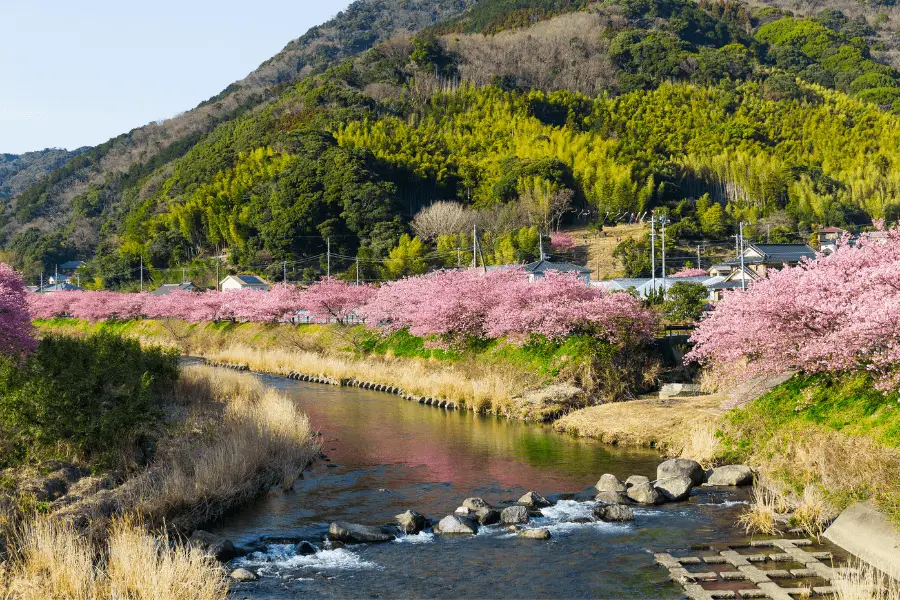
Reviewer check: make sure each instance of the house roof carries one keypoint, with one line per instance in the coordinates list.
(832, 230)
(167, 288)
(721, 267)
(543, 266)
(247, 279)
(775, 253)
(728, 285)
(72, 264)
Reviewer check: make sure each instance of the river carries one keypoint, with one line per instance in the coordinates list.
(387, 455)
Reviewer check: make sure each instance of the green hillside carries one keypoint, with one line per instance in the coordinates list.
(617, 106)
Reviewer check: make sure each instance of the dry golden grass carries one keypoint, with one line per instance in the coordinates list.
(600, 247)
(765, 507)
(864, 583)
(260, 438)
(670, 424)
(477, 389)
(701, 443)
(55, 562)
(813, 513)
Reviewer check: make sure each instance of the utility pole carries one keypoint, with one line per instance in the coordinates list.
(183, 276)
(329, 257)
(474, 246)
(458, 257)
(653, 250)
(217, 270)
(768, 231)
(663, 221)
(541, 245)
(743, 273)
(698, 258)
(41, 288)
(142, 272)
(284, 271)
(357, 270)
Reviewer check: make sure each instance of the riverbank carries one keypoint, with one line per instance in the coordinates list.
(76, 532)
(538, 381)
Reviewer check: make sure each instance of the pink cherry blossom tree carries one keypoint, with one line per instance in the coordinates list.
(690, 272)
(335, 300)
(835, 314)
(562, 242)
(16, 331)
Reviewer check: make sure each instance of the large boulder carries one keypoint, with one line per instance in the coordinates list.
(609, 483)
(612, 497)
(456, 525)
(474, 504)
(613, 513)
(733, 475)
(351, 533)
(514, 515)
(305, 549)
(487, 516)
(645, 493)
(534, 534)
(681, 467)
(675, 488)
(534, 500)
(635, 480)
(223, 549)
(410, 522)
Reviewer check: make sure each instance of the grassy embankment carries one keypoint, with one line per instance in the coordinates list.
(102, 529)
(536, 381)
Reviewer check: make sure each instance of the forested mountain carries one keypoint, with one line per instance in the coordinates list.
(19, 171)
(520, 110)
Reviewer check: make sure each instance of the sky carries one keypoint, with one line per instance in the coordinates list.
(76, 74)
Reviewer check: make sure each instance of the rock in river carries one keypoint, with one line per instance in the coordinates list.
(244, 575)
(534, 500)
(215, 545)
(350, 533)
(731, 475)
(474, 504)
(411, 522)
(487, 516)
(635, 480)
(675, 488)
(455, 524)
(613, 513)
(609, 483)
(305, 549)
(534, 534)
(645, 494)
(681, 467)
(514, 515)
(612, 497)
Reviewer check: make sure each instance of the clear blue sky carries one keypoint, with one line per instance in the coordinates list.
(78, 73)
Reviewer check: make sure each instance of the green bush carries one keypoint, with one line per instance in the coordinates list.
(97, 398)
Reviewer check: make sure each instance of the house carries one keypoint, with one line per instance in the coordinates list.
(643, 286)
(243, 282)
(58, 287)
(758, 258)
(720, 270)
(538, 269)
(828, 238)
(68, 268)
(54, 279)
(623, 284)
(167, 288)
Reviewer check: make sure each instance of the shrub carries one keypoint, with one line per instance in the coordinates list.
(93, 397)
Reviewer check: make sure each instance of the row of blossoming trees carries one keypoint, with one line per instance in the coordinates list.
(448, 306)
(836, 314)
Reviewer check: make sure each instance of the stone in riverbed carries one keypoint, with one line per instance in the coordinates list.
(534, 534)
(487, 516)
(411, 522)
(612, 497)
(645, 493)
(223, 549)
(609, 483)
(514, 515)
(613, 513)
(533, 499)
(635, 480)
(351, 533)
(675, 489)
(732, 475)
(305, 549)
(681, 467)
(455, 524)
(475, 504)
(243, 575)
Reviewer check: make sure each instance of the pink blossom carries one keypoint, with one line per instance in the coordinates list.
(335, 299)
(835, 314)
(562, 242)
(690, 272)
(16, 331)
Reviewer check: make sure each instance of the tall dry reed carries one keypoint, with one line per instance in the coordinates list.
(863, 582)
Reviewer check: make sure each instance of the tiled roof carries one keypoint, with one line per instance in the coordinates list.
(167, 288)
(250, 279)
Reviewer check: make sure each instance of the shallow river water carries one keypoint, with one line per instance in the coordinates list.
(387, 455)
